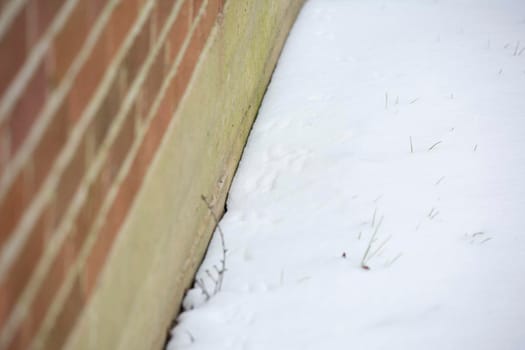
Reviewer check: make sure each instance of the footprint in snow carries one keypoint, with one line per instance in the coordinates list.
(266, 182)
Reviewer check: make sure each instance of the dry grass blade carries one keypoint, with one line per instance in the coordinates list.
(394, 260)
(375, 252)
(440, 179)
(364, 260)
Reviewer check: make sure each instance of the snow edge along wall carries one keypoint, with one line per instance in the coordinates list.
(115, 116)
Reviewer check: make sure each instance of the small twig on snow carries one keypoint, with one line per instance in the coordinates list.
(394, 260)
(192, 338)
(200, 283)
(434, 145)
(485, 240)
(516, 50)
(440, 179)
(222, 269)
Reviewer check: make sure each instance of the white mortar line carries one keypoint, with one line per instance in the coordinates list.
(17, 239)
(8, 15)
(52, 104)
(78, 200)
(12, 246)
(91, 240)
(37, 53)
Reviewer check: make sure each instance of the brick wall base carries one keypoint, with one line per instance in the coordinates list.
(115, 117)
(168, 228)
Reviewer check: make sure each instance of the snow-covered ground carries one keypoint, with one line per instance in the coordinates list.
(401, 118)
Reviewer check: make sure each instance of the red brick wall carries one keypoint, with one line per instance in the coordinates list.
(87, 89)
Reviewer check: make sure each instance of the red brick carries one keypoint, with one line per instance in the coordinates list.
(119, 208)
(70, 309)
(13, 50)
(68, 185)
(112, 225)
(55, 277)
(26, 262)
(153, 81)
(23, 336)
(88, 213)
(196, 6)
(49, 146)
(47, 10)
(106, 236)
(99, 188)
(123, 83)
(106, 114)
(49, 62)
(13, 205)
(153, 25)
(4, 304)
(69, 182)
(67, 317)
(99, 59)
(58, 272)
(95, 8)
(179, 31)
(32, 25)
(200, 36)
(28, 108)
(25, 187)
(122, 145)
(5, 145)
(167, 106)
(97, 259)
(137, 53)
(87, 80)
(120, 24)
(68, 42)
(3, 3)
(193, 51)
(164, 8)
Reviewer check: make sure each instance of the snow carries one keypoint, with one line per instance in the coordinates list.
(402, 117)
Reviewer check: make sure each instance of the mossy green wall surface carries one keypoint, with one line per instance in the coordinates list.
(168, 229)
